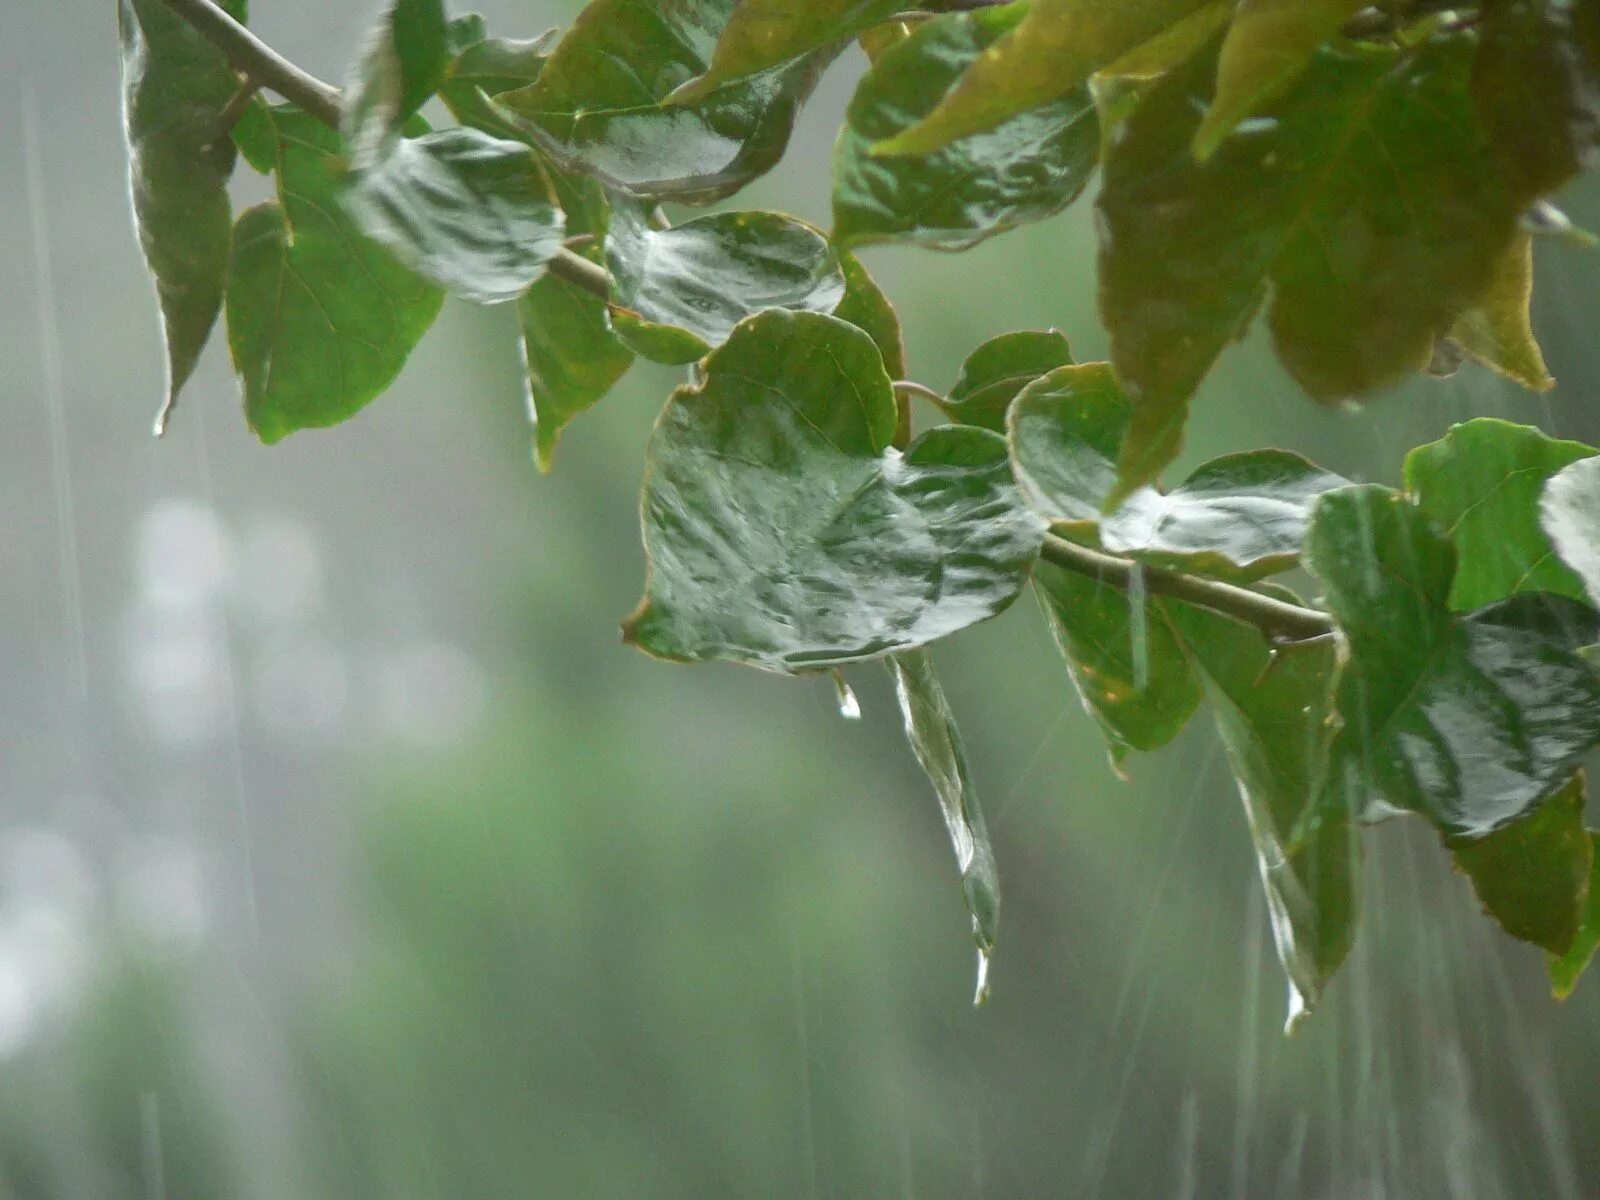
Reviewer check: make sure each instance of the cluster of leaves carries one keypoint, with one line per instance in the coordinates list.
(1370, 175)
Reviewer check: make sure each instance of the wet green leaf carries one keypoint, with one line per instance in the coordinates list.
(1241, 515)
(597, 106)
(866, 307)
(1566, 970)
(935, 740)
(571, 354)
(486, 66)
(678, 292)
(1497, 331)
(1054, 50)
(1532, 875)
(762, 34)
(994, 373)
(1025, 169)
(1537, 87)
(1569, 513)
(1482, 482)
(1369, 201)
(405, 59)
(320, 320)
(1126, 663)
(1271, 707)
(175, 85)
(1117, 86)
(784, 533)
(1472, 719)
(469, 212)
(1268, 46)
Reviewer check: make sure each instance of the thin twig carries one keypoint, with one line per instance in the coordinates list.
(256, 60)
(228, 116)
(1276, 618)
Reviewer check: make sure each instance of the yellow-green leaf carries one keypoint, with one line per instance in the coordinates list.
(1496, 331)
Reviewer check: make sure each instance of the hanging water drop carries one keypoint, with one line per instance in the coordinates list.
(980, 992)
(849, 706)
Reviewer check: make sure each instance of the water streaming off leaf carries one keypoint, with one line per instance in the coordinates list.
(849, 706)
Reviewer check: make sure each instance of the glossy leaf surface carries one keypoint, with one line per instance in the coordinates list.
(320, 320)
(1366, 197)
(597, 105)
(1532, 876)
(1055, 49)
(1482, 482)
(175, 85)
(936, 742)
(1470, 720)
(678, 292)
(782, 530)
(867, 308)
(1025, 169)
(996, 371)
(1271, 708)
(469, 212)
(1570, 514)
(405, 60)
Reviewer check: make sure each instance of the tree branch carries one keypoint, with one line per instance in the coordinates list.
(1276, 618)
(262, 65)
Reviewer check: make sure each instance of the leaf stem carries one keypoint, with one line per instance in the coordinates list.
(264, 66)
(259, 61)
(1276, 618)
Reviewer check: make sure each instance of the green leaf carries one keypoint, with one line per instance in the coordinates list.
(1271, 706)
(935, 740)
(1569, 512)
(1027, 168)
(678, 292)
(466, 211)
(1482, 482)
(1471, 720)
(1532, 875)
(867, 308)
(1569, 967)
(1056, 47)
(256, 136)
(571, 354)
(1266, 50)
(810, 542)
(175, 84)
(762, 34)
(1238, 516)
(405, 59)
(994, 373)
(1369, 202)
(597, 106)
(1117, 86)
(1497, 331)
(319, 319)
(1125, 661)
(1537, 87)
(486, 66)
(878, 40)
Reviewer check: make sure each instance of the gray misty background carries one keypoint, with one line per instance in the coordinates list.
(344, 851)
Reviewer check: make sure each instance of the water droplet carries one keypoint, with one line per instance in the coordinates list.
(981, 991)
(849, 706)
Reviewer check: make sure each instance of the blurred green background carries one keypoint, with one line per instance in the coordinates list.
(346, 852)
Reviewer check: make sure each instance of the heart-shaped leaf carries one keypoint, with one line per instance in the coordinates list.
(1533, 874)
(935, 740)
(1482, 481)
(784, 532)
(597, 105)
(1271, 706)
(1124, 659)
(1027, 168)
(1569, 512)
(678, 292)
(320, 320)
(996, 371)
(469, 212)
(1471, 720)
(175, 85)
